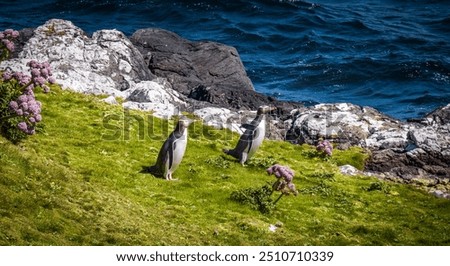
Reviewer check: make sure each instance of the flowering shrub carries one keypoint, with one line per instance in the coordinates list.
(325, 147)
(20, 112)
(284, 177)
(7, 43)
(260, 198)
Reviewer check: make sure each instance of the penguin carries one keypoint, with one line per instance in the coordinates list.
(252, 138)
(172, 151)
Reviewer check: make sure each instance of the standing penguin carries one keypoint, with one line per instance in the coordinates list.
(252, 137)
(172, 151)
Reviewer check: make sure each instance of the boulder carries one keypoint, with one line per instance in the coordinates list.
(188, 65)
(349, 170)
(105, 64)
(155, 96)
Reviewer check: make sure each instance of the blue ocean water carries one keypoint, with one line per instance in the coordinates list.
(388, 54)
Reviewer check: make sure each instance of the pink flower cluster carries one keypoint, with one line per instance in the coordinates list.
(41, 73)
(325, 147)
(285, 175)
(26, 104)
(6, 38)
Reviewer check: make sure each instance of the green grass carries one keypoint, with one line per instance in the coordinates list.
(78, 182)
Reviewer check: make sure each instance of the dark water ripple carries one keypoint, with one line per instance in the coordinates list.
(392, 55)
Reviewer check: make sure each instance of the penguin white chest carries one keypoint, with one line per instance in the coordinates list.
(179, 147)
(258, 137)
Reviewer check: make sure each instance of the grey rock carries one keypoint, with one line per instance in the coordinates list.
(219, 118)
(189, 64)
(439, 193)
(156, 97)
(349, 170)
(154, 92)
(111, 100)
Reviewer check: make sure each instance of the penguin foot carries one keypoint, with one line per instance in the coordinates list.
(170, 178)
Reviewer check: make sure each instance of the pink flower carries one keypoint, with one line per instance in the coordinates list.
(33, 64)
(24, 80)
(38, 118)
(39, 80)
(8, 32)
(325, 147)
(7, 75)
(15, 34)
(24, 106)
(23, 126)
(46, 88)
(22, 99)
(35, 72)
(44, 72)
(13, 105)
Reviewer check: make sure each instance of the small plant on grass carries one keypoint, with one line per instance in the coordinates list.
(284, 183)
(20, 112)
(260, 198)
(263, 162)
(378, 186)
(325, 147)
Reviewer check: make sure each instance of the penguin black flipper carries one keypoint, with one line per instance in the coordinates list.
(252, 138)
(242, 145)
(171, 149)
(158, 168)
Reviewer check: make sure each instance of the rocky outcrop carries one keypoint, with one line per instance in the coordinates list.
(404, 149)
(106, 63)
(192, 66)
(426, 153)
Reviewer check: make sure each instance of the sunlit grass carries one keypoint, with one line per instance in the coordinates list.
(80, 182)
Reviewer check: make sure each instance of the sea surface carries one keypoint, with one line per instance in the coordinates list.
(391, 55)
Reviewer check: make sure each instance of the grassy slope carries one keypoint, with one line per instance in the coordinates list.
(68, 185)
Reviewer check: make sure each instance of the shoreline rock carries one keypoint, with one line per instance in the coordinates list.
(158, 70)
